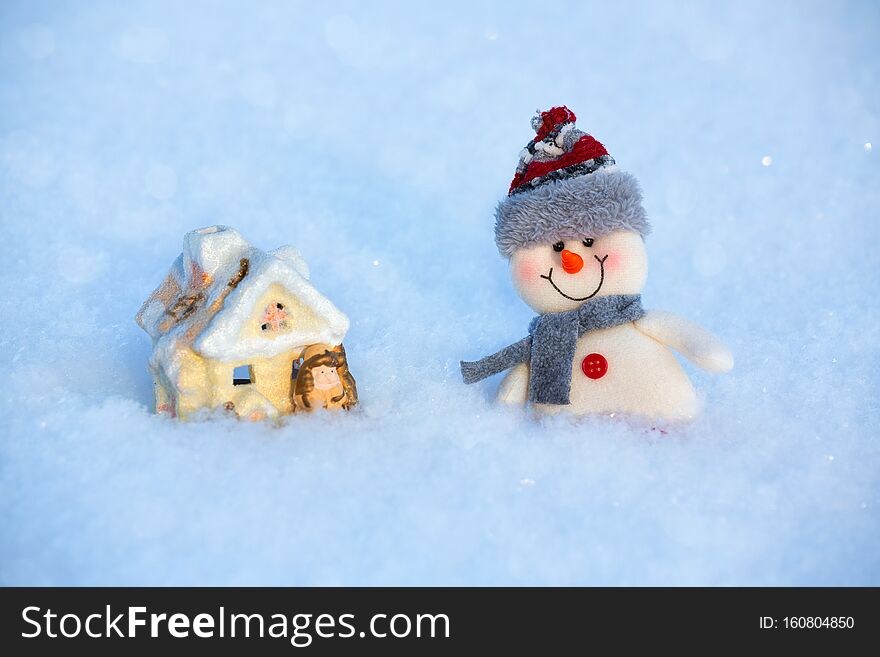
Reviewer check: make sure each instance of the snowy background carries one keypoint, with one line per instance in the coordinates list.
(377, 140)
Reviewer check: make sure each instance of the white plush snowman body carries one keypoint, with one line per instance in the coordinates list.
(573, 227)
(618, 370)
(627, 369)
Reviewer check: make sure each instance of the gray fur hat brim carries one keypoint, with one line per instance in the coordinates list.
(582, 206)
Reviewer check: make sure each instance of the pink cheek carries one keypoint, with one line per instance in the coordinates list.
(612, 262)
(525, 271)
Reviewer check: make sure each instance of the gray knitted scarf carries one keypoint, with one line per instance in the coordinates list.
(549, 348)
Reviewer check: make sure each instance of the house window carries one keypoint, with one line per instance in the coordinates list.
(274, 318)
(242, 375)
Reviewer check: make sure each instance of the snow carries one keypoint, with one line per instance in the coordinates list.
(377, 141)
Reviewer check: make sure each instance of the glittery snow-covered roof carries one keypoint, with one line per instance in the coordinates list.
(212, 292)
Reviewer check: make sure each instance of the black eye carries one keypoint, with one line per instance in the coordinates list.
(588, 242)
(558, 246)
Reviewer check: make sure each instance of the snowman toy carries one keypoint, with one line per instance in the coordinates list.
(573, 229)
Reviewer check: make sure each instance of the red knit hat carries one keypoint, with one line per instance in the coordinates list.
(566, 185)
(558, 151)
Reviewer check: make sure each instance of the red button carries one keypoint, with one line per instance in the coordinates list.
(595, 366)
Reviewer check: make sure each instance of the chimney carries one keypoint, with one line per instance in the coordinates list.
(211, 249)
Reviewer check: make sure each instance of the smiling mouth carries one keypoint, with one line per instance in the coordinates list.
(601, 262)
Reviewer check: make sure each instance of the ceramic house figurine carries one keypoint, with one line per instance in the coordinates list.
(230, 324)
(573, 228)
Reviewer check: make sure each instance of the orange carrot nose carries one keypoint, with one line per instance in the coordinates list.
(572, 263)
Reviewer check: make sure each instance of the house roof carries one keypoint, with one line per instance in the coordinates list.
(212, 290)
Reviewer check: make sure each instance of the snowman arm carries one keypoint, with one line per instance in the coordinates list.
(693, 342)
(514, 388)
